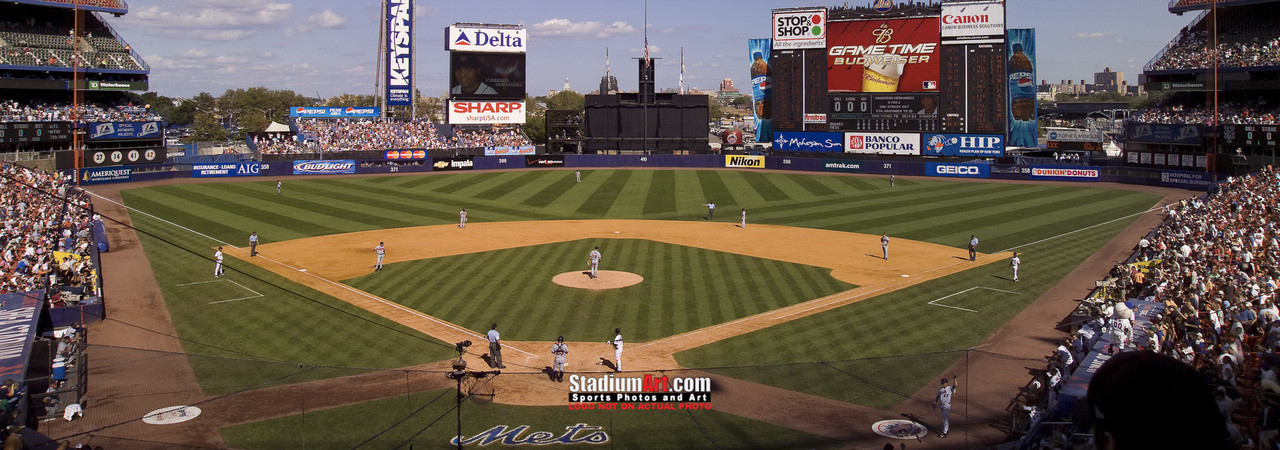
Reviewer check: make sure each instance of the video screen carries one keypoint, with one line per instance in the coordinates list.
(895, 55)
(486, 76)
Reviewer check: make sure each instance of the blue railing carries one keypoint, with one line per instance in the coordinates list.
(1176, 40)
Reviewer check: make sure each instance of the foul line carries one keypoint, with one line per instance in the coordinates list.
(256, 294)
(1079, 230)
(935, 301)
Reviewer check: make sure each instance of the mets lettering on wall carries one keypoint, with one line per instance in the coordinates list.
(800, 28)
(467, 112)
(399, 34)
(475, 39)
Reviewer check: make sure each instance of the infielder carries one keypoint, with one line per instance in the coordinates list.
(593, 259)
(559, 350)
(462, 218)
(278, 184)
(217, 267)
(944, 400)
(884, 245)
(973, 247)
(617, 349)
(711, 209)
(253, 244)
(380, 251)
(744, 217)
(577, 176)
(495, 348)
(1015, 262)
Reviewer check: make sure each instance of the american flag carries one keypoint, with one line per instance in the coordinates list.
(647, 61)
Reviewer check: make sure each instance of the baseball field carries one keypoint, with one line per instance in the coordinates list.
(807, 332)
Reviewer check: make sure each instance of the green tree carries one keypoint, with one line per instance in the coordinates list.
(714, 110)
(535, 125)
(207, 127)
(567, 100)
(431, 108)
(363, 100)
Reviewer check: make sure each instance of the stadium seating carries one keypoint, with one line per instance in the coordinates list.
(46, 41)
(1233, 108)
(1244, 41)
(337, 135)
(37, 224)
(14, 111)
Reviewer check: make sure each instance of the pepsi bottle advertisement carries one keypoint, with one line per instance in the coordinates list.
(761, 98)
(1021, 69)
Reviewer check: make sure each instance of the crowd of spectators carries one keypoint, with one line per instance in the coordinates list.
(1193, 51)
(14, 111)
(38, 222)
(1252, 113)
(1213, 264)
(338, 135)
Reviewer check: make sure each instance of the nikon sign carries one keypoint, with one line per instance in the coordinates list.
(754, 162)
(799, 28)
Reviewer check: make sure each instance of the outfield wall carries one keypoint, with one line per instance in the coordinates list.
(1194, 180)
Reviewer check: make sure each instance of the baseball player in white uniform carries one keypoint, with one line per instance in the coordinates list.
(462, 218)
(617, 349)
(217, 267)
(559, 350)
(891, 180)
(744, 217)
(884, 245)
(593, 259)
(711, 209)
(943, 400)
(380, 251)
(577, 176)
(253, 244)
(1015, 262)
(278, 184)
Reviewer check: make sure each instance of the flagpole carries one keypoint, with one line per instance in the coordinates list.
(644, 100)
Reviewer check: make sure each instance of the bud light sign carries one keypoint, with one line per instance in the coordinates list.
(336, 166)
(981, 145)
(957, 170)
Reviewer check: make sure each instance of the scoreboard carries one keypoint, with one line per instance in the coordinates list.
(35, 132)
(973, 94)
(913, 112)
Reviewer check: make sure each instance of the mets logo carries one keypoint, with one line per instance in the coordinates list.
(1229, 133)
(936, 143)
(882, 6)
(899, 429)
(883, 34)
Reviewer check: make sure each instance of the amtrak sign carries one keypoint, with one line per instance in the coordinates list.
(460, 38)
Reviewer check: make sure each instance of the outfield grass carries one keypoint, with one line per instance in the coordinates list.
(685, 288)
(314, 329)
(424, 423)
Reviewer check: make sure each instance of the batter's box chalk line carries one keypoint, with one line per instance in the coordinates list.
(255, 293)
(935, 301)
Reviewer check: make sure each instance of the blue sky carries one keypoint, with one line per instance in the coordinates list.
(329, 47)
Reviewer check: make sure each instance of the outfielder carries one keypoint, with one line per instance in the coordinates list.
(617, 349)
(278, 184)
(744, 217)
(711, 209)
(253, 244)
(891, 179)
(380, 251)
(973, 247)
(217, 267)
(884, 245)
(559, 350)
(944, 400)
(577, 176)
(1015, 262)
(462, 218)
(593, 259)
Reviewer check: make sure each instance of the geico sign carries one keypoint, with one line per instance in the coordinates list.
(488, 107)
(958, 170)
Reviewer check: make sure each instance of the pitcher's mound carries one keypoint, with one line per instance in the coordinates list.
(608, 279)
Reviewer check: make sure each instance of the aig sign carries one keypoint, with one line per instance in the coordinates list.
(799, 28)
(958, 170)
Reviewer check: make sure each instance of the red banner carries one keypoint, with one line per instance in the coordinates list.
(899, 55)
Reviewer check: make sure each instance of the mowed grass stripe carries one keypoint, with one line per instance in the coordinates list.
(447, 204)
(713, 188)
(763, 184)
(832, 214)
(147, 202)
(513, 185)
(429, 207)
(602, 199)
(661, 196)
(302, 223)
(939, 210)
(351, 211)
(811, 185)
(631, 198)
(846, 197)
(859, 183)
(876, 215)
(1020, 235)
(1000, 213)
(549, 194)
(462, 181)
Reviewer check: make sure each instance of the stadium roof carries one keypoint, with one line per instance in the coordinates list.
(1181, 6)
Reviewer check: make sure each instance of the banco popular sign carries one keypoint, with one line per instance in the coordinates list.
(882, 143)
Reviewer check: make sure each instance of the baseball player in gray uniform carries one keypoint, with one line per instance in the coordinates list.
(217, 267)
(278, 184)
(943, 401)
(253, 244)
(1015, 262)
(891, 180)
(617, 349)
(380, 251)
(973, 247)
(593, 259)
(711, 209)
(577, 175)
(744, 217)
(559, 350)
(462, 218)
(884, 245)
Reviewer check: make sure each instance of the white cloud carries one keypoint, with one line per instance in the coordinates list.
(1093, 35)
(322, 19)
(422, 12)
(653, 50)
(196, 53)
(213, 20)
(565, 28)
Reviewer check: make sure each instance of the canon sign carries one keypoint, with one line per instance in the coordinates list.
(977, 22)
(463, 112)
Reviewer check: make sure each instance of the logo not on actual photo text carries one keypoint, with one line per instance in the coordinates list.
(640, 389)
